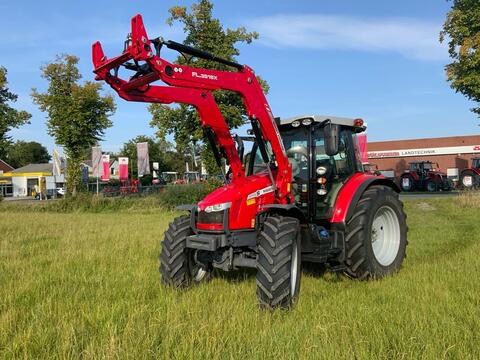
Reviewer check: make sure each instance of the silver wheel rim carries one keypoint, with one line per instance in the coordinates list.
(200, 274)
(385, 235)
(467, 181)
(293, 269)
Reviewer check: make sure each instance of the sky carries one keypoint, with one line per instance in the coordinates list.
(374, 59)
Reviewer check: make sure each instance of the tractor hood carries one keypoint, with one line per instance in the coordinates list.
(244, 195)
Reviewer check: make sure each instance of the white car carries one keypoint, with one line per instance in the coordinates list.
(61, 191)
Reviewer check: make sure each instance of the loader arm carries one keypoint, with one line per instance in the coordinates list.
(194, 86)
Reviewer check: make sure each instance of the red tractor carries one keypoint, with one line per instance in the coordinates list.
(470, 178)
(424, 176)
(302, 197)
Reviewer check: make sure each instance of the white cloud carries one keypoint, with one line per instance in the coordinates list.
(410, 37)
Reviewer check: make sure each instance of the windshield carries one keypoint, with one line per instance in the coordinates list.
(476, 163)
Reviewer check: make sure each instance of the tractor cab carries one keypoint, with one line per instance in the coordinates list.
(323, 153)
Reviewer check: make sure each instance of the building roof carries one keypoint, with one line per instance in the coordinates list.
(5, 167)
(34, 168)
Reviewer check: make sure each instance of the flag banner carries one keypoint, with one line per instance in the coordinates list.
(105, 167)
(143, 162)
(96, 161)
(155, 170)
(56, 163)
(123, 168)
(85, 174)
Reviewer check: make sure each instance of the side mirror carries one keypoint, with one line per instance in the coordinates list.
(331, 133)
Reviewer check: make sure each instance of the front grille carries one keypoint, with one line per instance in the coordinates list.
(215, 217)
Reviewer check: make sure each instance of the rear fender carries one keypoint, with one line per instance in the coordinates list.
(351, 192)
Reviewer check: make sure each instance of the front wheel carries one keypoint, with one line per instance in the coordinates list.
(178, 264)
(407, 183)
(431, 186)
(278, 262)
(376, 236)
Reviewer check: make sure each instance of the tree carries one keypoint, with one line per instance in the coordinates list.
(206, 33)
(462, 30)
(159, 150)
(77, 114)
(22, 153)
(9, 117)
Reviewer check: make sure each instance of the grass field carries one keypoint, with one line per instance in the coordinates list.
(86, 285)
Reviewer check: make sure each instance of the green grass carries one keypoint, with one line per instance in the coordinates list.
(86, 285)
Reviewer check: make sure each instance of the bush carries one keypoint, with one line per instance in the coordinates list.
(168, 199)
(185, 194)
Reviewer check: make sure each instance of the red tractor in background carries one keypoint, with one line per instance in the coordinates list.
(302, 196)
(470, 178)
(424, 176)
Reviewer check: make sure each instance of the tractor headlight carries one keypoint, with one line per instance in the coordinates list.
(322, 191)
(321, 170)
(307, 121)
(218, 207)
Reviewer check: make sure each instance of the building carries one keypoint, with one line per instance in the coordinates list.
(32, 178)
(452, 154)
(5, 181)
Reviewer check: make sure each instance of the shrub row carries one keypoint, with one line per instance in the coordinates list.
(167, 199)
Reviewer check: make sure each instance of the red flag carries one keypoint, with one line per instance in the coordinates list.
(123, 168)
(105, 167)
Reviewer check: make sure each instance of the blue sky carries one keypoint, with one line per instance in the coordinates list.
(378, 60)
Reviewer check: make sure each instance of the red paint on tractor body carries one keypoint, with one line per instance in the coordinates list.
(346, 195)
(193, 86)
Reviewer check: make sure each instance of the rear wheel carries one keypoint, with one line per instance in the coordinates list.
(178, 265)
(470, 180)
(278, 263)
(376, 236)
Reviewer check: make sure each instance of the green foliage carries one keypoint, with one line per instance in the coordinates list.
(86, 285)
(77, 114)
(462, 30)
(22, 153)
(9, 117)
(206, 33)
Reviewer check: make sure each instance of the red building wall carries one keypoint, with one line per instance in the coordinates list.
(400, 164)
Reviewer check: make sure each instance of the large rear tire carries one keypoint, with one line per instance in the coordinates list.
(376, 235)
(177, 263)
(470, 180)
(278, 262)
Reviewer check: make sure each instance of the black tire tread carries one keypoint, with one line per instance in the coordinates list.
(173, 258)
(356, 260)
(274, 261)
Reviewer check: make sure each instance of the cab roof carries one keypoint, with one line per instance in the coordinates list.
(319, 119)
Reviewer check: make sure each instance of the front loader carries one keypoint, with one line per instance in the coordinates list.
(302, 196)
